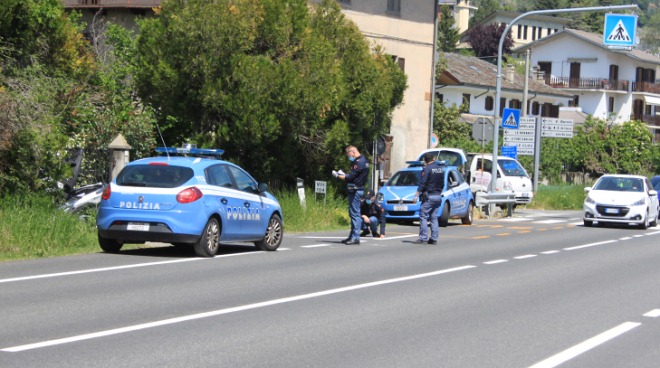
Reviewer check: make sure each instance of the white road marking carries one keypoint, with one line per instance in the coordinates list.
(653, 233)
(577, 223)
(315, 245)
(321, 237)
(115, 268)
(639, 235)
(517, 219)
(591, 245)
(585, 346)
(549, 221)
(550, 252)
(496, 261)
(229, 310)
(653, 314)
(626, 238)
(526, 256)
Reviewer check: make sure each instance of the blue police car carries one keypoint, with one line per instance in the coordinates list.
(189, 197)
(397, 195)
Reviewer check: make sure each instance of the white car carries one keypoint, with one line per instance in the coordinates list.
(624, 199)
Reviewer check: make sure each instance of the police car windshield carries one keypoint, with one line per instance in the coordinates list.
(154, 176)
(405, 179)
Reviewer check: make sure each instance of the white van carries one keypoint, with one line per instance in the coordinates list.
(511, 176)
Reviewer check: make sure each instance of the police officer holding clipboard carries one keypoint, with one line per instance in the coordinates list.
(355, 181)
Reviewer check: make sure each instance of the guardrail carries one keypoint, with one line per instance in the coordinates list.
(500, 198)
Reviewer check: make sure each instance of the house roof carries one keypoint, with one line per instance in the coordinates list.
(471, 71)
(592, 38)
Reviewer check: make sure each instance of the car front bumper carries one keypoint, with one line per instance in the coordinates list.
(614, 214)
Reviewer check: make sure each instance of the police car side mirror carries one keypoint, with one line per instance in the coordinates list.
(263, 187)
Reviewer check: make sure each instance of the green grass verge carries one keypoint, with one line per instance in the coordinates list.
(558, 197)
(33, 226)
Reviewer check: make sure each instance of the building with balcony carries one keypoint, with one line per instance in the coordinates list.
(611, 84)
(472, 81)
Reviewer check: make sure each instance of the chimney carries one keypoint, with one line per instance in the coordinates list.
(510, 73)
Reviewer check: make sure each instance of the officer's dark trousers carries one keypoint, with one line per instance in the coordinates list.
(354, 213)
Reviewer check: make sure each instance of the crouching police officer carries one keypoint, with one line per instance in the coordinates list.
(355, 181)
(373, 214)
(430, 187)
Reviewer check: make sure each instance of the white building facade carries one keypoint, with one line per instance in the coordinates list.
(609, 84)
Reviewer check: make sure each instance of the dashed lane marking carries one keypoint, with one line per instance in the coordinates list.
(653, 314)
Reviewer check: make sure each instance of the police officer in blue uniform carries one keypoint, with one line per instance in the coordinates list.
(429, 191)
(355, 181)
(373, 216)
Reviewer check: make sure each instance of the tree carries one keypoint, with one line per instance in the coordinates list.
(451, 131)
(650, 36)
(448, 35)
(485, 8)
(485, 40)
(268, 81)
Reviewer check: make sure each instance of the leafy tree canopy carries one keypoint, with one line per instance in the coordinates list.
(269, 81)
(448, 36)
(485, 39)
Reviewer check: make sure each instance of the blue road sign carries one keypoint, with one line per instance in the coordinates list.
(620, 30)
(510, 151)
(511, 119)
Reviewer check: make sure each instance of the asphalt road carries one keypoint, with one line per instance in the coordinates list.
(536, 290)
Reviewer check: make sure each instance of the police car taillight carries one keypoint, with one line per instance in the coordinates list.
(189, 195)
(106, 193)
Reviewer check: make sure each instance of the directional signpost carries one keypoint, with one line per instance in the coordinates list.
(556, 128)
(522, 138)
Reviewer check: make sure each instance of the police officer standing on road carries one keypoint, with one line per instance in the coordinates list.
(430, 192)
(355, 181)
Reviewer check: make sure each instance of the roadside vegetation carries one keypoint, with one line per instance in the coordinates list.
(33, 227)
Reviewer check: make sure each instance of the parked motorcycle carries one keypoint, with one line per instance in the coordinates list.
(78, 199)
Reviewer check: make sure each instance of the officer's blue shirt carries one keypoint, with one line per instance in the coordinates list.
(433, 178)
(359, 172)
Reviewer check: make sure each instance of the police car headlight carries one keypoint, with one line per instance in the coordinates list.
(380, 197)
(589, 200)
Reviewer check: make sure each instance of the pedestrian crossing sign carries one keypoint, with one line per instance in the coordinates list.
(620, 30)
(511, 118)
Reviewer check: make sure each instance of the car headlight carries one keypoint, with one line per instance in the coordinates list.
(641, 202)
(589, 200)
(380, 197)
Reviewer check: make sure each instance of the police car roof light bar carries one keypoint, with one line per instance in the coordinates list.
(208, 152)
(421, 163)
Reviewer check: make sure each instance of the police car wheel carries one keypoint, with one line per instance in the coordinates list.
(274, 234)
(209, 242)
(443, 220)
(469, 216)
(109, 245)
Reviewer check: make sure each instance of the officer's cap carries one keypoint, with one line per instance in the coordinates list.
(369, 194)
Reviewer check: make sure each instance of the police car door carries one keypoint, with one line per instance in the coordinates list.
(252, 221)
(225, 198)
(457, 190)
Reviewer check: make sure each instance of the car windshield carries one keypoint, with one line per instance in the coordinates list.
(451, 158)
(511, 168)
(158, 176)
(405, 179)
(620, 184)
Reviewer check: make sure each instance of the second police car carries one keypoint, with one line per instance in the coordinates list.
(397, 195)
(197, 201)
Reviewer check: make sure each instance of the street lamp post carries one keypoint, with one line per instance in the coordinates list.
(498, 92)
